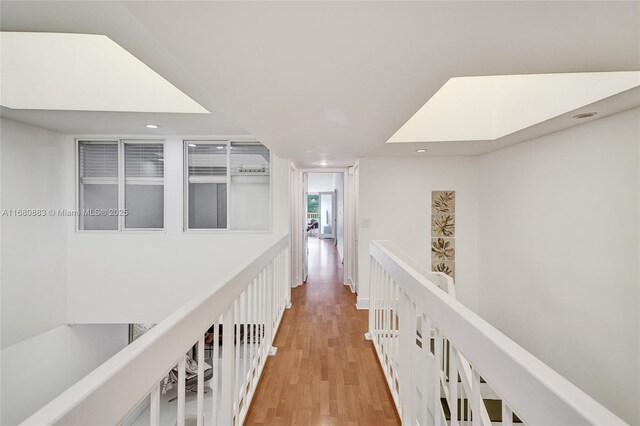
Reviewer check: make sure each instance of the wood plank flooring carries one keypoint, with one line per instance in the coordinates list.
(325, 372)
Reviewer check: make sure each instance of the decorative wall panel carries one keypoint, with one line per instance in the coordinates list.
(443, 232)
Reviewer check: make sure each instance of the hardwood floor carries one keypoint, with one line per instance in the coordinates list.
(325, 372)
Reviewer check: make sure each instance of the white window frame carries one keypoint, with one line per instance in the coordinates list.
(120, 142)
(185, 177)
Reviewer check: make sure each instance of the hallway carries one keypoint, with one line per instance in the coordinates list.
(325, 372)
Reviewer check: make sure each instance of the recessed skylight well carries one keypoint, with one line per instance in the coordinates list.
(82, 72)
(490, 107)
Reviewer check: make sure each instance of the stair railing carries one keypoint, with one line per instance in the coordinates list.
(436, 354)
(243, 314)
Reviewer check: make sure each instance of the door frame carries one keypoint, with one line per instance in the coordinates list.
(298, 222)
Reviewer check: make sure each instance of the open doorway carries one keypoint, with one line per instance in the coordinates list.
(324, 215)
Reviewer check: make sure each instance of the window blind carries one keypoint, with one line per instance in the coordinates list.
(98, 160)
(207, 161)
(144, 160)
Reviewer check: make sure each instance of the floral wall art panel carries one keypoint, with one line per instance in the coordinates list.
(443, 232)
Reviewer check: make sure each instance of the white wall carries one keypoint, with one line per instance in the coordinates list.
(395, 196)
(338, 179)
(559, 254)
(144, 276)
(38, 369)
(320, 182)
(34, 262)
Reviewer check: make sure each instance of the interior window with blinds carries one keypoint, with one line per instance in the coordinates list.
(144, 185)
(207, 185)
(250, 201)
(98, 191)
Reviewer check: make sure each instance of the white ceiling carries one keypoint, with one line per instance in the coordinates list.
(334, 80)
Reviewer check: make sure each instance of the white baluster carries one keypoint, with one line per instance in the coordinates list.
(287, 275)
(392, 326)
(254, 317)
(181, 389)
(476, 398)
(228, 373)
(425, 353)
(281, 295)
(407, 377)
(154, 406)
(386, 320)
(453, 385)
(380, 326)
(215, 358)
(269, 305)
(396, 318)
(507, 414)
(261, 322)
(376, 301)
(437, 350)
(236, 327)
(200, 420)
(245, 344)
(372, 299)
(248, 336)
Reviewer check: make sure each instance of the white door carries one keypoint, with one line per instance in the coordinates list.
(327, 228)
(305, 236)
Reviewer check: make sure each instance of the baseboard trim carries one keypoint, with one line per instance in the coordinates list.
(362, 304)
(351, 285)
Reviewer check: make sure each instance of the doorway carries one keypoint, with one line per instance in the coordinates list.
(323, 213)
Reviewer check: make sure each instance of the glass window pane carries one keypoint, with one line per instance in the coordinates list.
(145, 206)
(207, 205)
(98, 171)
(207, 177)
(250, 170)
(98, 200)
(144, 185)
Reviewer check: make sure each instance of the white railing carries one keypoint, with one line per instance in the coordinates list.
(437, 355)
(243, 315)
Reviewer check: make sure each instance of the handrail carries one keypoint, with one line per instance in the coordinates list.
(529, 388)
(111, 391)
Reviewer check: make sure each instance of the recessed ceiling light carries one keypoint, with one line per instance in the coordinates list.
(421, 150)
(323, 163)
(151, 126)
(585, 115)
